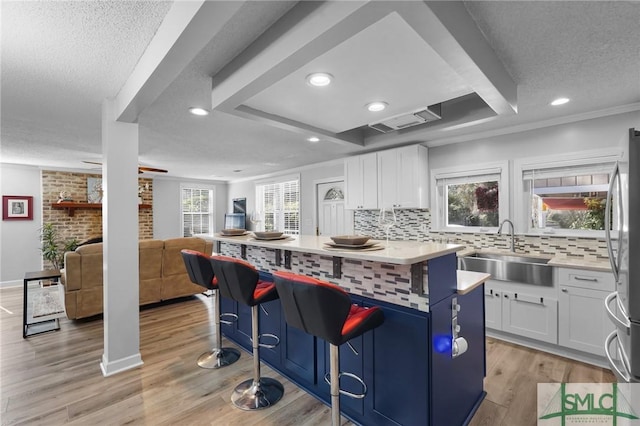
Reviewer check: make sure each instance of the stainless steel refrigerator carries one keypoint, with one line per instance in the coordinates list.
(622, 346)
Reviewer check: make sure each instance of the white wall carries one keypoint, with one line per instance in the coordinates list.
(582, 135)
(20, 239)
(308, 176)
(167, 208)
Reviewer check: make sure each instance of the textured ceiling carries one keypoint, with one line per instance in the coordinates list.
(61, 59)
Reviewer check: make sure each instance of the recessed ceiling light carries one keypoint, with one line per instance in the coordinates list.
(377, 106)
(319, 79)
(313, 139)
(198, 111)
(559, 101)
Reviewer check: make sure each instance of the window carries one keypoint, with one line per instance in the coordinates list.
(280, 205)
(470, 199)
(197, 211)
(572, 198)
(565, 195)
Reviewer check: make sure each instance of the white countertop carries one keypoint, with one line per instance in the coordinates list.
(398, 252)
(468, 280)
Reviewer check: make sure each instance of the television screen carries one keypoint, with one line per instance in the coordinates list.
(240, 205)
(235, 220)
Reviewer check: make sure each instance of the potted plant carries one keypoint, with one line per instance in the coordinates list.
(53, 248)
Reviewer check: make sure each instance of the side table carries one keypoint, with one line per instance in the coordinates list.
(41, 326)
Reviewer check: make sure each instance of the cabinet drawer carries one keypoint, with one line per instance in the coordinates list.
(594, 280)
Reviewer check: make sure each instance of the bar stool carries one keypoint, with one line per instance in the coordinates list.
(240, 281)
(201, 273)
(325, 310)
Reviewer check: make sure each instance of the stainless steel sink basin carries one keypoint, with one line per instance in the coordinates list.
(510, 267)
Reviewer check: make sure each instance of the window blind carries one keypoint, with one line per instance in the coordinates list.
(281, 206)
(558, 172)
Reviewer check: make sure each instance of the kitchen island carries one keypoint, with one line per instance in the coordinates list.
(409, 364)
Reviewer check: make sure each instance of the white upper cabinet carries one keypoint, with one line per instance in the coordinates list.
(403, 177)
(361, 182)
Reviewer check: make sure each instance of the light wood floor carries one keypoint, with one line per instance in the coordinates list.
(54, 378)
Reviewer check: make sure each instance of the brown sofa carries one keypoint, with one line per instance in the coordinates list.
(162, 274)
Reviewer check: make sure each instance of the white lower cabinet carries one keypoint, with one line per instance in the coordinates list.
(584, 324)
(520, 312)
(492, 307)
(530, 316)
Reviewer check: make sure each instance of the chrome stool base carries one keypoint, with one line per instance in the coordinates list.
(218, 358)
(250, 395)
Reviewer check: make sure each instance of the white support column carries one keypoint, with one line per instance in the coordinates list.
(120, 250)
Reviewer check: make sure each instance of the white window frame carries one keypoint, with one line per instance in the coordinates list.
(568, 160)
(279, 180)
(212, 205)
(472, 172)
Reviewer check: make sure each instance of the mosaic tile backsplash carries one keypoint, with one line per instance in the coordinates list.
(387, 282)
(415, 224)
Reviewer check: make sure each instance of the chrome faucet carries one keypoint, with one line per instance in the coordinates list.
(513, 245)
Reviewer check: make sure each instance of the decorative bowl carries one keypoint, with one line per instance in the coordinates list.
(233, 231)
(354, 240)
(267, 235)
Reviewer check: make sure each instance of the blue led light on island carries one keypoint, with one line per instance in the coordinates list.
(442, 343)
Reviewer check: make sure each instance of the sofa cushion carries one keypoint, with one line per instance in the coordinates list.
(172, 263)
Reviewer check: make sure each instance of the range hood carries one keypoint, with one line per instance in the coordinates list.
(402, 121)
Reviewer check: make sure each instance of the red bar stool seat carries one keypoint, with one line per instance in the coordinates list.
(200, 272)
(325, 310)
(240, 281)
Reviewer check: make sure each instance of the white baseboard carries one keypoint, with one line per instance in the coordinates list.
(550, 348)
(109, 368)
(13, 283)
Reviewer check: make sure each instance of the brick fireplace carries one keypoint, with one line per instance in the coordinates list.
(85, 223)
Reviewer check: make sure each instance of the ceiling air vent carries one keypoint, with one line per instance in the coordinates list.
(403, 121)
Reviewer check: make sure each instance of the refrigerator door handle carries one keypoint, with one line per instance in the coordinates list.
(615, 175)
(619, 323)
(607, 343)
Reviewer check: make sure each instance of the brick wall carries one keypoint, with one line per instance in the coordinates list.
(85, 223)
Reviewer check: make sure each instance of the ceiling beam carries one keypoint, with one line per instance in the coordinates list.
(311, 29)
(449, 29)
(184, 32)
(345, 138)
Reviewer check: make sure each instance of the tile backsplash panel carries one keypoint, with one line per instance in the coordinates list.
(415, 224)
(387, 282)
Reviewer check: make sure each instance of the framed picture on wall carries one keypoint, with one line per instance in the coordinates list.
(17, 207)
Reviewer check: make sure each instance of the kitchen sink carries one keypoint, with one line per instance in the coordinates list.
(510, 267)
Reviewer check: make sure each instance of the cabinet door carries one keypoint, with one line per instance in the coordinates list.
(353, 183)
(350, 362)
(493, 308)
(270, 323)
(388, 179)
(583, 320)
(409, 188)
(298, 354)
(402, 177)
(369, 166)
(530, 316)
(228, 306)
(397, 359)
(361, 182)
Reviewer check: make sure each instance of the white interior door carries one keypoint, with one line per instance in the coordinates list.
(331, 212)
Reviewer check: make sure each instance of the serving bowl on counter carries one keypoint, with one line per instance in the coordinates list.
(352, 240)
(233, 231)
(268, 235)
